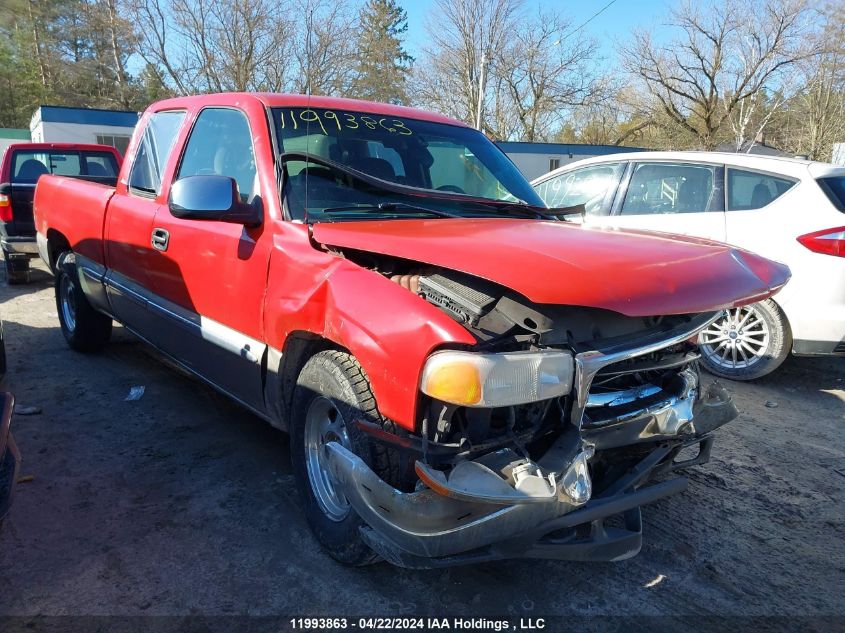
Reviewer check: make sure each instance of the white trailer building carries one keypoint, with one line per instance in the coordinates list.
(59, 124)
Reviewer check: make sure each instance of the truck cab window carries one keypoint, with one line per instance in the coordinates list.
(221, 145)
(153, 151)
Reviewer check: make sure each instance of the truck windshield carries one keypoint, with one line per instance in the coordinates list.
(408, 152)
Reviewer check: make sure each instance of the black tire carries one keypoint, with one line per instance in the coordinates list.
(84, 329)
(772, 355)
(337, 377)
(16, 273)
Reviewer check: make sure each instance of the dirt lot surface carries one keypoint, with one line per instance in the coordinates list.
(182, 503)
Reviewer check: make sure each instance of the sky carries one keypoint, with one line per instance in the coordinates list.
(613, 24)
(609, 27)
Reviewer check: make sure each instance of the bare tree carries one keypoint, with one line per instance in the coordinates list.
(156, 42)
(725, 52)
(323, 46)
(548, 69)
(219, 45)
(818, 110)
(462, 34)
(538, 67)
(751, 116)
(118, 32)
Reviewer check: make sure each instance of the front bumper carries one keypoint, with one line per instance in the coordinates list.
(10, 457)
(451, 524)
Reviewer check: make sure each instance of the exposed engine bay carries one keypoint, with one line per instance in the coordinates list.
(633, 403)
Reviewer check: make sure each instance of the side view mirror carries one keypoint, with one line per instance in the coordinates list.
(211, 198)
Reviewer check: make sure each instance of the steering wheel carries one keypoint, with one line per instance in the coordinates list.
(452, 188)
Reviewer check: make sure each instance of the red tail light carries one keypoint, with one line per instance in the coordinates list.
(826, 242)
(5, 208)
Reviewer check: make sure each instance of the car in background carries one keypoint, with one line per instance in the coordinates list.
(785, 209)
(21, 166)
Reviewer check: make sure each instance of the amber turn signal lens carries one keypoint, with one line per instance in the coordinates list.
(473, 379)
(457, 382)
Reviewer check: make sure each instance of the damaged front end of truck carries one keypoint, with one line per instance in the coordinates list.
(544, 439)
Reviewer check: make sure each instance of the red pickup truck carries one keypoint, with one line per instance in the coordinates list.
(464, 375)
(21, 166)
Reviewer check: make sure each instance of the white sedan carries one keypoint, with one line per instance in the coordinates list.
(789, 210)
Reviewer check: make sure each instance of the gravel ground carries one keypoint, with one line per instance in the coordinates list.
(181, 503)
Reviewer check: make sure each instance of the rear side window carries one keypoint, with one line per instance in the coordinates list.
(153, 151)
(834, 188)
(589, 186)
(749, 190)
(99, 165)
(28, 166)
(672, 188)
(221, 145)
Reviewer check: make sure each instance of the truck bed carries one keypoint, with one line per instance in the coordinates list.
(74, 208)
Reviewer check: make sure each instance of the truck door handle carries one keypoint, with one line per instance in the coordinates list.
(160, 239)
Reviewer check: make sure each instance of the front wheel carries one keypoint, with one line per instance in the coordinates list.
(747, 342)
(332, 391)
(84, 329)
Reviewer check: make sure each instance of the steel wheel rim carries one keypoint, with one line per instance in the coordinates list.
(737, 340)
(324, 424)
(68, 301)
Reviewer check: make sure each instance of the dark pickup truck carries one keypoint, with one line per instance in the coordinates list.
(20, 168)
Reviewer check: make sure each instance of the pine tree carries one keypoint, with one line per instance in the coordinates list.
(383, 64)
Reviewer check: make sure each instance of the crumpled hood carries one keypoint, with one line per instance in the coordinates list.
(631, 272)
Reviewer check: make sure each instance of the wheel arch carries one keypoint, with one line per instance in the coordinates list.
(389, 330)
(284, 367)
(57, 243)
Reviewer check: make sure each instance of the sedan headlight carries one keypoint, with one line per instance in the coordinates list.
(497, 380)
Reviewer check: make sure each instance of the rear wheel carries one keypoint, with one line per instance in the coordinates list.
(84, 329)
(332, 391)
(747, 342)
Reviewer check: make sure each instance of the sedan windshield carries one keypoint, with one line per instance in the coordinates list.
(458, 163)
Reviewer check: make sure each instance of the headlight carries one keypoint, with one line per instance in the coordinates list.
(497, 380)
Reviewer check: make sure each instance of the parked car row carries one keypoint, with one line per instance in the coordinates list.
(789, 210)
(464, 376)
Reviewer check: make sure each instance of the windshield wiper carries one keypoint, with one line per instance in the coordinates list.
(520, 208)
(389, 207)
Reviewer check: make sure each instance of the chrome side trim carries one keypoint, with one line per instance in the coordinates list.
(187, 320)
(207, 329)
(231, 340)
(124, 287)
(588, 364)
(211, 384)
